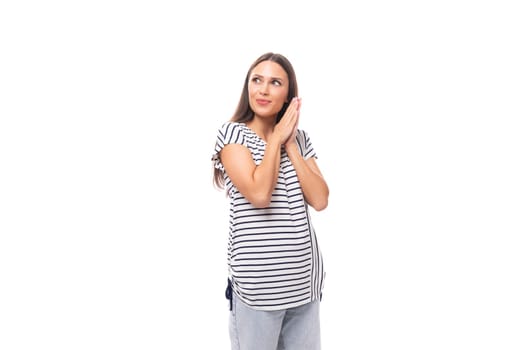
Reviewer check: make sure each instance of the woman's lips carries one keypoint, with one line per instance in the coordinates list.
(263, 102)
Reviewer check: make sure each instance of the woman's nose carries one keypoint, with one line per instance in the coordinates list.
(263, 89)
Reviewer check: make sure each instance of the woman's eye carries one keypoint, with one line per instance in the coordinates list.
(276, 82)
(256, 80)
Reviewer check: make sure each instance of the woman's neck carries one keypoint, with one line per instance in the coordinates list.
(263, 128)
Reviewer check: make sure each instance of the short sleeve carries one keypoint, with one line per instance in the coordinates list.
(305, 145)
(228, 133)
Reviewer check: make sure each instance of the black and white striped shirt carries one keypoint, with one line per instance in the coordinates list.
(273, 257)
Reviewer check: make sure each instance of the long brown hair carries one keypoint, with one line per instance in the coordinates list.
(244, 113)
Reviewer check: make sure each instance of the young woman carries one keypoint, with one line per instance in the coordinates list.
(268, 168)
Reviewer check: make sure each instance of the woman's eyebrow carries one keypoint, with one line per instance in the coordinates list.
(262, 76)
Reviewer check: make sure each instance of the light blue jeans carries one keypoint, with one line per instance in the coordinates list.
(297, 328)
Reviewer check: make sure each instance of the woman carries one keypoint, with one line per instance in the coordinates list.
(267, 167)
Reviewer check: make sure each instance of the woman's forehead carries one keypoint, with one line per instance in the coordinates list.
(269, 69)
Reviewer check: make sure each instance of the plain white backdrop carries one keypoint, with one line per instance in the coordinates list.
(113, 237)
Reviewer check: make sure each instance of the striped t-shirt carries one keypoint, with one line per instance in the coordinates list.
(274, 261)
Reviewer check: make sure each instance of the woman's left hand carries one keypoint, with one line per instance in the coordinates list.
(291, 139)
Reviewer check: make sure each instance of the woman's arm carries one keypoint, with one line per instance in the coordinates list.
(256, 183)
(315, 188)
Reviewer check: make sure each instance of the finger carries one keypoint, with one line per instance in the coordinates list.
(291, 110)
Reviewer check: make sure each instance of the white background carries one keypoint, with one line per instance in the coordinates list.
(113, 237)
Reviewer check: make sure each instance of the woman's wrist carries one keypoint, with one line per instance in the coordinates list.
(274, 140)
(290, 147)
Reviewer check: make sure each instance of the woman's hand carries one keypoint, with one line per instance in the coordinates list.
(287, 126)
(292, 138)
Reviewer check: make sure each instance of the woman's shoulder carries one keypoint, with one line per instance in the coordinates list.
(305, 144)
(233, 132)
(302, 134)
(229, 126)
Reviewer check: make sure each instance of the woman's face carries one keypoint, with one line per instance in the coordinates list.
(267, 89)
